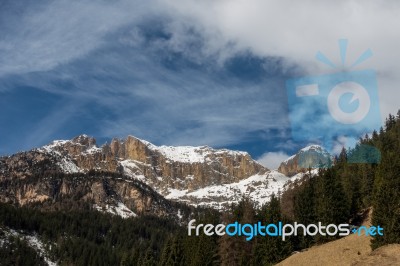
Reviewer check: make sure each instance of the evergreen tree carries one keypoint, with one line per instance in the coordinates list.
(271, 249)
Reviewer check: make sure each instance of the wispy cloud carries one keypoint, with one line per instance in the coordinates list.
(54, 122)
(50, 33)
(165, 70)
(156, 92)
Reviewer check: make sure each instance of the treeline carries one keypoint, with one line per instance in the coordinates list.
(89, 237)
(227, 250)
(386, 189)
(337, 194)
(15, 251)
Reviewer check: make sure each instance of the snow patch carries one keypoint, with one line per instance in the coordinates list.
(176, 193)
(301, 175)
(258, 188)
(120, 210)
(179, 214)
(185, 154)
(34, 242)
(132, 169)
(129, 166)
(92, 150)
(50, 147)
(68, 166)
(312, 147)
(189, 154)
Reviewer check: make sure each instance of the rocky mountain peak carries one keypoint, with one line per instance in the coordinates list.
(312, 156)
(162, 167)
(84, 140)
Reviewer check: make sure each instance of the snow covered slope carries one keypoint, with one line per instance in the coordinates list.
(258, 188)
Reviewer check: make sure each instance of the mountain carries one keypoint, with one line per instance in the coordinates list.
(133, 176)
(62, 195)
(313, 156)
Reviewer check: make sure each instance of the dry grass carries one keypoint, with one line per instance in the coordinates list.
(350, 250)
(384, 256)
(344, 251)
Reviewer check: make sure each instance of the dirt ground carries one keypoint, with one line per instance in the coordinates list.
(351, 250)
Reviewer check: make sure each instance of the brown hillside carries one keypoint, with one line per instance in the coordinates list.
(350, 250)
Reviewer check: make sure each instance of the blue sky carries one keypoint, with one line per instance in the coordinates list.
(170, 72)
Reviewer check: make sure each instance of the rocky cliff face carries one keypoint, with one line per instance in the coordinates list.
(108, 192)
(162, 167)
(313, 156)
(173, 172)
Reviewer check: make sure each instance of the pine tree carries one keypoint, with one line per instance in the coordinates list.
(305, 203)
(386, 205)
(333, 204)
(148, 258)
(271, 249)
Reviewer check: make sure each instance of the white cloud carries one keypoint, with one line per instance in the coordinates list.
(296, 30)
(62, 32)
(67, 30)
(272, 160)
(343, 142)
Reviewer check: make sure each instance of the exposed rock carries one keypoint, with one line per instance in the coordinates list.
(162, 167)
(77, 189)
(313, 156)
(165, 169)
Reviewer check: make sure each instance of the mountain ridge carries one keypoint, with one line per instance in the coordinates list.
(199, 176)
